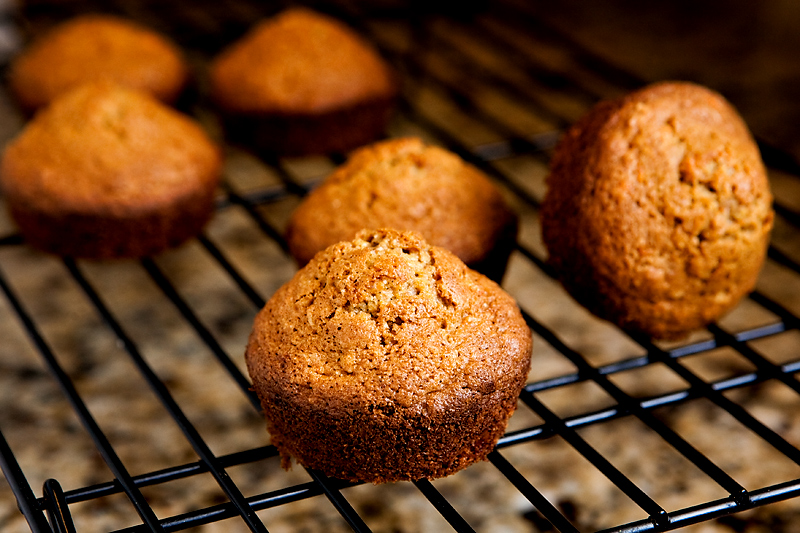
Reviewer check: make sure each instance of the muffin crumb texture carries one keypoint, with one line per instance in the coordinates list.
(658, 209)
(302, 83)
(386, 359)
(106, 171)
(299, 61)
(94, 47)
(407, 185)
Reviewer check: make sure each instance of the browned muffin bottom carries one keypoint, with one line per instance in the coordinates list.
(303, 83)
(658, 209)
(96, 47)
(407, 185)
(109, 172)
(332, 132)
(388, 359)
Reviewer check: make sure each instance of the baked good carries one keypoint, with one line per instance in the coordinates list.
(105, 171)
(303, 83)
(93, 47)
(408, 185)
(386, 358)
(658, 210)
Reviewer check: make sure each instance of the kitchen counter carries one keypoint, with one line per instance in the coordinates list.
(461, 91)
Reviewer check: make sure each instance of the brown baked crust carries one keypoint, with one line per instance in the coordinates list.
(109, 172)
(305, 83)
(658, 209)
(407, 185)
(97, 47)
(387, 359)
(299, 62)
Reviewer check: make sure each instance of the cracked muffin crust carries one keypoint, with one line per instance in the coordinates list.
(658, 209)
(407, 185)
(108, 172)
(385, 359)
(95, 47)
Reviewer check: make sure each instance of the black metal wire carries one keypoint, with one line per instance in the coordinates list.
(208, 338)
(58, 510)
(629, 405)
(101, 441)
(169, 474)
(26, 500)
(328, 487)
(192, 435)
(659, 516)
(443, 506)
(226, 24)
(224, 511)
(540, 503)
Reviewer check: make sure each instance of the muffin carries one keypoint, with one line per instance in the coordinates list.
(303, 83)
(658, 210)
(97, 47)
(408, 185)
(385, 359)
(106, 171)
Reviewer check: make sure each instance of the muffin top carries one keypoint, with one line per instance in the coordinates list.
(387, 321)
(94, 47)
(407, 185)
(659, 197)
(299, 62)
(104, 145)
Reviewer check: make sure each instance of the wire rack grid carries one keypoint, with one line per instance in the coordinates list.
(126, 398)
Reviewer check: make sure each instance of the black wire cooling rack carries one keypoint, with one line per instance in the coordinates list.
(495, 85)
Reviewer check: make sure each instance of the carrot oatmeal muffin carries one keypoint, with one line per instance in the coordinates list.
(106, 171)
(302, 83)
(658, 209)
(97, 47)
(386, 358)
(408, 185)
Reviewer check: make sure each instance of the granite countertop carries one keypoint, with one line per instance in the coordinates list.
(748, 52)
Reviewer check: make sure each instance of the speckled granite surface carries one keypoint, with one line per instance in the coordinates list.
(49, 442)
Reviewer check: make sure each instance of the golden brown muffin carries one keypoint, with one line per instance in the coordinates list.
(388, 359)
(97, 47)
(105, 171)
(658, 209)
(301, 83)
(408, 185)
